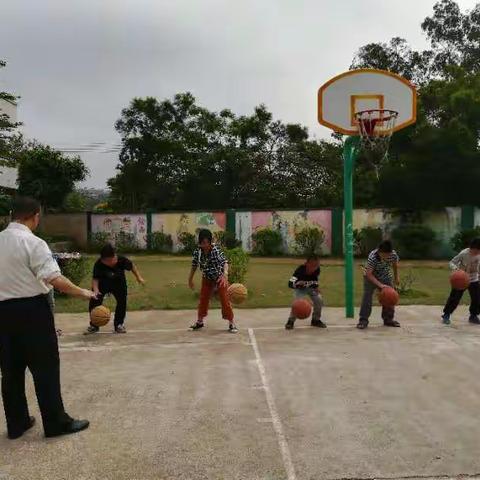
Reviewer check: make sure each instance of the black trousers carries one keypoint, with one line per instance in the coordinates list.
(456, 296)
(28, 340)
(120, 293)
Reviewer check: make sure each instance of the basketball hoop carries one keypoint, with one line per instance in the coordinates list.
(375, 128)
(353, 104)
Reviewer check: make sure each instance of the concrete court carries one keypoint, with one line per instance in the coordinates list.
(167, 403)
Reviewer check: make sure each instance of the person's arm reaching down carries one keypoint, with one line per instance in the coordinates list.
(137, 275)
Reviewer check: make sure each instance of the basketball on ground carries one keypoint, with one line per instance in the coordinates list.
(237, 293)
(100, 316)
(301, 308)
(459, 280)
(388, 297)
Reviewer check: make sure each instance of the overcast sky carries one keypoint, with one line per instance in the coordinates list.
(77, 63)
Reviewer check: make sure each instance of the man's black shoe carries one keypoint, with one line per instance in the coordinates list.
(74, 426)
(318, 323)
(31, 423)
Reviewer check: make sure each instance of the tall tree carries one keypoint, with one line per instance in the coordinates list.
(48, 175)
(7, 126)
(178, 155)
(434, 163)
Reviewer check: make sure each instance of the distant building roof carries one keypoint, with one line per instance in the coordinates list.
(8, 108)
(8, 177)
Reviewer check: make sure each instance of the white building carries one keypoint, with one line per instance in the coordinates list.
(8, 108)
(8, 178)
(8, 175)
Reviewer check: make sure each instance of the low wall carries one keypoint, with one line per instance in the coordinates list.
(112, 224)
(175, 224)
(70, 225)
(288, 222)
(445, 223)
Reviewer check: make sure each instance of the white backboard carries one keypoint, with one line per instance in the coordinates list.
(365, 89)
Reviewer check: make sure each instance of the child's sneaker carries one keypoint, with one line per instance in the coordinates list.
(391, 323)
(362, 324)
(197, 326)
(91, 329)
(446, 319)
(290, 324)
(318, 323)
(120, 329)
(232, 328)
(474, 319)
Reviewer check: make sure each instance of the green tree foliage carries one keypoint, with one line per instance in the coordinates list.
(267, 242)
(179, 155)
(437, 161)
(414, 241)
(237, 264)
(7, 127)
(309, 241)
(74, 202)
(463, 238)
(48, 175)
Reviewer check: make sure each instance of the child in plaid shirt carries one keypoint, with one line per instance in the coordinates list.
(214, 267)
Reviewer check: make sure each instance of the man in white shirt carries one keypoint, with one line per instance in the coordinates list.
(27, 331)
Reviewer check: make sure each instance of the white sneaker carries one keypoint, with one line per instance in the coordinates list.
(232, 328)
(120, 329)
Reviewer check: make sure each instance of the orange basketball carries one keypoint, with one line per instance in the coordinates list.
(388, 297)
(301, 308)
(237, 293)
(459, 280)
(100, 316)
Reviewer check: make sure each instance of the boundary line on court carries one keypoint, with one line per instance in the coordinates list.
(276, 421)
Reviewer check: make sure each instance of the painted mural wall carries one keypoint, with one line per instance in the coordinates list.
(287, 222)
(114, 224)
(445, 223)
(175, 224)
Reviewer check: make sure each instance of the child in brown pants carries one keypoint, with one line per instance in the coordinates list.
(214, 267)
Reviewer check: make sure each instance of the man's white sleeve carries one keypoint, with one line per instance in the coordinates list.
(42, 263)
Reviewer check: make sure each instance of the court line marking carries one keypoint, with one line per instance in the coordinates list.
(110, 348)
(276, 422)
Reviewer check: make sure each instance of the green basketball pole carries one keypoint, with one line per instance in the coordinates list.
(350, 152)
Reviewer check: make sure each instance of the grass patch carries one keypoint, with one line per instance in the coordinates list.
(266, 281)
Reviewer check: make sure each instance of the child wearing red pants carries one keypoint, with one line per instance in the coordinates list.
(214, 267)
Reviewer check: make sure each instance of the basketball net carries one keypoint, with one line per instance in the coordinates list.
(375, 128)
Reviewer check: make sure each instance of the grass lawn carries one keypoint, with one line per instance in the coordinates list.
(266, 281)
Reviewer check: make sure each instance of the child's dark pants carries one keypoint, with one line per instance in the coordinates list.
(456, 296)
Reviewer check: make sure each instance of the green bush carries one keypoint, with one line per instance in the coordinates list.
(366, 240)
(160, 242)
(462, 239)
(237, 264)
(75, 269)
(309, 241)
(97, 240)
(188, 242)
(3, 224)
(226, 240)
(267, 242)
(126, 242)
(414, 241)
